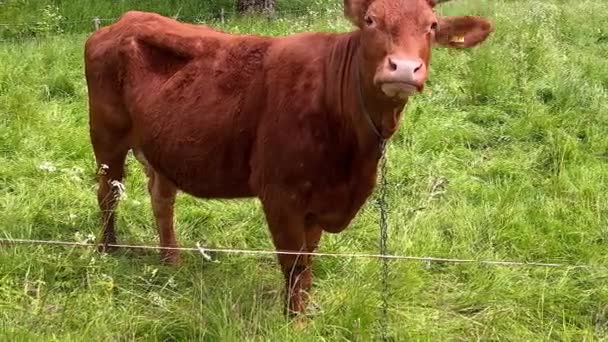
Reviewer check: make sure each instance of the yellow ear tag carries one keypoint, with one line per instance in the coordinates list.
(457, 39)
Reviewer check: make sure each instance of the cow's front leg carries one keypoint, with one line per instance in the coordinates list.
(290, 233)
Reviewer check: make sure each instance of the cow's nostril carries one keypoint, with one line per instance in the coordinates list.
(418, 68)
(391, 66)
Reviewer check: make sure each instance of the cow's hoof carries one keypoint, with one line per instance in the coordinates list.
(171, 257)
(300, 322)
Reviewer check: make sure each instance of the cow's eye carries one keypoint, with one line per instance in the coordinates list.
(433, 27)
(368, 20)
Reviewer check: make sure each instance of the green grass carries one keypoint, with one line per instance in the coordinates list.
(504, 157)
(40, 18)
(20, 11)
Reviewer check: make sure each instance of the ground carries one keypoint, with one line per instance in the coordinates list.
(503, 158)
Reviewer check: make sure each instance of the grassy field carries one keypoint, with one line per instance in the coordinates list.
(505, 157)
(35, 18)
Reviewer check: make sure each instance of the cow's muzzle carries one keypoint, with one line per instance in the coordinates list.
(402, 77)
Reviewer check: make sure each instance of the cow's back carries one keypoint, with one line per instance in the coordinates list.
(188, 95)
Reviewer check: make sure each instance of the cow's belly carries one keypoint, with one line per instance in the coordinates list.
(202, 175)
(202, 142)
(206, 162)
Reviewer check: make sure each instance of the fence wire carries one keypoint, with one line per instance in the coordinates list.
(205, 250)
(178, 17)
(40, 29)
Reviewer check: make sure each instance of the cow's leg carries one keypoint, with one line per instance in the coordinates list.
(313, 236)
(110, 163)
(162, 194)
(289, 233)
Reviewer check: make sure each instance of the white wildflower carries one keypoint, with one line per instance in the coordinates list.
(47, 166)
(75, 173)
(156, 299)
(118, 189)
(81, 238)
(103, 169)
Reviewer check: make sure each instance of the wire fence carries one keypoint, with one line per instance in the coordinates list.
(45, 28)
(204, 251)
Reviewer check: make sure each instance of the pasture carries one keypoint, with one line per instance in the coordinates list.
(504, 157)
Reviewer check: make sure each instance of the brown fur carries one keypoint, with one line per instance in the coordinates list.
(217, 115)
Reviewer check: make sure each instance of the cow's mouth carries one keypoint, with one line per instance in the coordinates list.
(399, 89)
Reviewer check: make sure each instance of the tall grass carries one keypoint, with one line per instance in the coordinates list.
(504, 157)
(20, 18)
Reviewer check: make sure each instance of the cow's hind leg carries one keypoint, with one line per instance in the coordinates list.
(162, 194)
(110, 154)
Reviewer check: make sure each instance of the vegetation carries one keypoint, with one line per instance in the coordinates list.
(26, 18)
(504, 157)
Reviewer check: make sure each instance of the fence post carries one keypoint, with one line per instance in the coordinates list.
(222, 15)
(270, 9)
(96, 23)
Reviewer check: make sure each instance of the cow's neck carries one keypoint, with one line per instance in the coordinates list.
(374, 117)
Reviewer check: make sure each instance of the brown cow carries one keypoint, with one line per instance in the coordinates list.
(296, 121)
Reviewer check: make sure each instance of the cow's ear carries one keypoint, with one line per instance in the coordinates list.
(355, 10)
(462, 32)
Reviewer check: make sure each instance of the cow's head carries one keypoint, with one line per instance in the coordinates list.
(397, 36)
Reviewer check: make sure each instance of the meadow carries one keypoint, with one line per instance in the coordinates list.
(504, 157)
